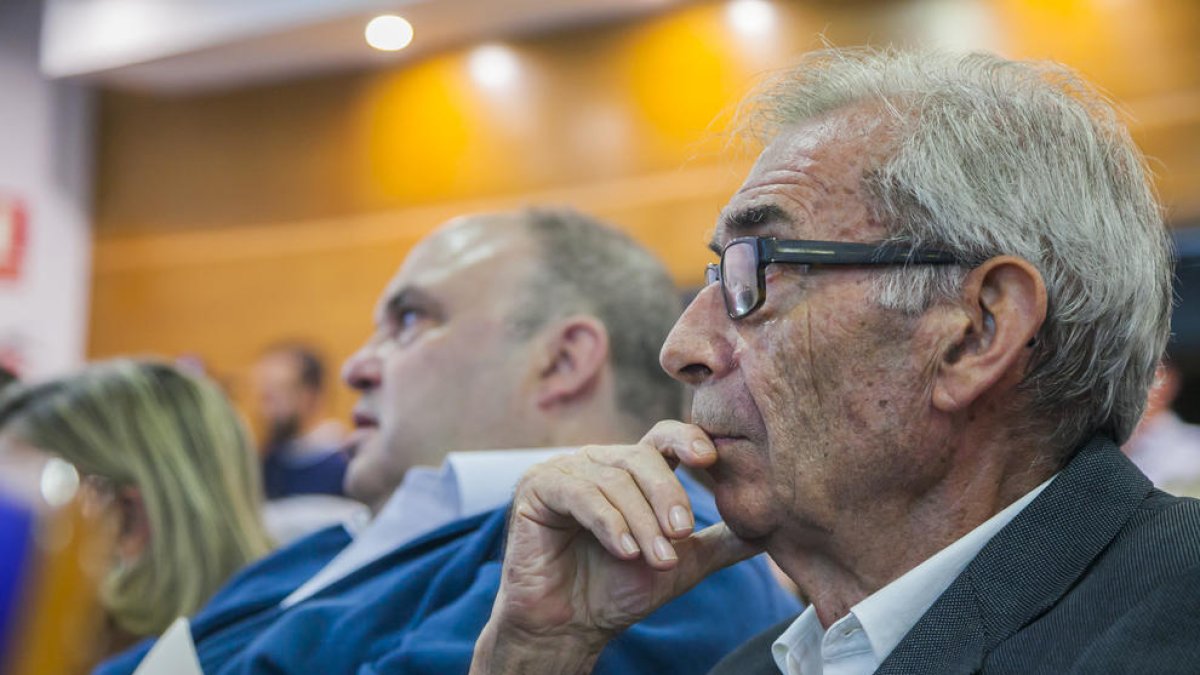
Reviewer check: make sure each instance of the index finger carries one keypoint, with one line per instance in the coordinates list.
(653, 482)
(679, 441)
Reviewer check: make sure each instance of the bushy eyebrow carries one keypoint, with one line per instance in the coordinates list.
(742, 221)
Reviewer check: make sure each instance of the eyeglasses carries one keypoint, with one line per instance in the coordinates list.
(743, 261)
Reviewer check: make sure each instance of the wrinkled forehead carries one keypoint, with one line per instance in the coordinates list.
(808, 183)
(478, 255)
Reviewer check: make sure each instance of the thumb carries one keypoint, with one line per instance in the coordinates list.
(713, 548)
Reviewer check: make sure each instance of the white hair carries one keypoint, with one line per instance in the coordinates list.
(998, 157)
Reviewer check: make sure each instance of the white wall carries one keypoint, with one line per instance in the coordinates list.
(45, 159)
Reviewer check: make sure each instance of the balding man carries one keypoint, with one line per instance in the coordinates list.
(536, 329)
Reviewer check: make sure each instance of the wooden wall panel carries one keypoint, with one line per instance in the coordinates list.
(228, 221)
(224, 293)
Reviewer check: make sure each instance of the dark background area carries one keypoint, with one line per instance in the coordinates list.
(1185, 324)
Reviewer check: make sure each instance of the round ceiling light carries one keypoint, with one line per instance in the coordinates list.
(389, 33)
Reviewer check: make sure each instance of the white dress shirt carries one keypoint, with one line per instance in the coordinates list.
(468, 483)
(858, 643)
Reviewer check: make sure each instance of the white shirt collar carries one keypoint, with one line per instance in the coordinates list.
(467, 484)
(484, 480)
(860, 641)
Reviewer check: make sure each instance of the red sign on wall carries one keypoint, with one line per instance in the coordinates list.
(14, 231)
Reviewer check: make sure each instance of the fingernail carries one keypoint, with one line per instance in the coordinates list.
(663, 550)
(680, 520)
(703, 449)
(628, 544)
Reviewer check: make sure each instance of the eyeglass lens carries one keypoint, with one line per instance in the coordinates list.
(739, 277)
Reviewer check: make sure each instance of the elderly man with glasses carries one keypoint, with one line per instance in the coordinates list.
(942, 293)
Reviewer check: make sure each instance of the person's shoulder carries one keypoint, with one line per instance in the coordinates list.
(1156, 633)
(1159, 541)
(1163, 517)
(284, 569)
(320, 545)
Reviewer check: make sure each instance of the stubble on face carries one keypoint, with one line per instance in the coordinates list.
(831, 377)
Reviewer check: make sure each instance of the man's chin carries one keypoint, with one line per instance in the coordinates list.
(365, 489)
(748, 531)
(358, 440)
(745, 521)
(363, 481)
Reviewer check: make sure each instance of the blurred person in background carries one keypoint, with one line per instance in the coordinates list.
(303, 464)
(301, 448)
(536, 329)
(167, 458)
(1163, 446)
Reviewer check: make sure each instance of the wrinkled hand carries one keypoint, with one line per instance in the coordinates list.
(598, 540)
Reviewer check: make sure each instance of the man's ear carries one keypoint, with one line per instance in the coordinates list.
(576, 352)
(1003, 308)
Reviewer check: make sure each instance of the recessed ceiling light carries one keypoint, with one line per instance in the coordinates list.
(494, 66)
(751, 17)
(389, 33)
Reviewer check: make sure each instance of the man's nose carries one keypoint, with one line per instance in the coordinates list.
(361, 371)
(697, 347)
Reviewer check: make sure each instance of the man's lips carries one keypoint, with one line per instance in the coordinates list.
(720, 440)
(364, 425)
(365, 420)
(721, 436)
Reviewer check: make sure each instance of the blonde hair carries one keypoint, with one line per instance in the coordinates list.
(176, 439)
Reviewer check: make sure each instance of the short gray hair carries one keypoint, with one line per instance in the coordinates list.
(998, 157)
(588, 267)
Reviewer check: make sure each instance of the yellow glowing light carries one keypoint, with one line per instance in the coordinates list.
(389, 33)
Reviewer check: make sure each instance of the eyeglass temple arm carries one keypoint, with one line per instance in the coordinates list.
(849, 253)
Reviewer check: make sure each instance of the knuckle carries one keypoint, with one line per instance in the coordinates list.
(663, 486)
(598, 454)
(611, 475)
(555, 466)
(608, 521)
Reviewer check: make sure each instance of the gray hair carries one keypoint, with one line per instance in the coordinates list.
(998, 157)
(594, 269)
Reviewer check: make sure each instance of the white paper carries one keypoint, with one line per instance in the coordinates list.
(173, 654)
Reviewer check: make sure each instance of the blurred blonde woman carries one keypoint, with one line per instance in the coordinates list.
(168, 453)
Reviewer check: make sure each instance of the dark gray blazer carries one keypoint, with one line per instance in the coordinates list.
(1099, 574)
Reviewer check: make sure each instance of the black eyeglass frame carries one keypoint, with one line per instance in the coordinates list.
(770, 250)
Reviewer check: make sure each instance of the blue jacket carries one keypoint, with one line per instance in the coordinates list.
(420, 608)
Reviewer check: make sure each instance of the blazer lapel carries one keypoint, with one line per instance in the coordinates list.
(1027, 566)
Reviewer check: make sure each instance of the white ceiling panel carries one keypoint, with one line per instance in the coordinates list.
(190, 45)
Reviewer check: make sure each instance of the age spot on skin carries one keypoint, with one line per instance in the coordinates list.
(883, 403)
